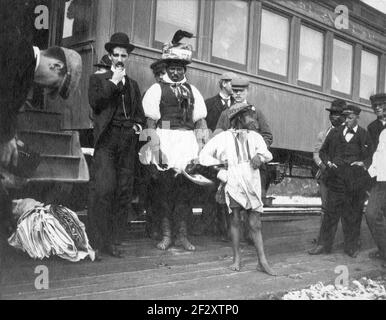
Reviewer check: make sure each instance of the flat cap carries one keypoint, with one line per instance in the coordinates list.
(104, 63)
(239, 107)
(351, 109)
(378, 98)
(240, 83)
(228, 76)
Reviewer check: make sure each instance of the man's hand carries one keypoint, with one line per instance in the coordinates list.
(332, 165)
(359, 164)
(256, 162)
(8, 153)
(118, 75)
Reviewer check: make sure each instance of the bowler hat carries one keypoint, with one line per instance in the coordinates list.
(104, 63)
(119, 39)
(240, 83)
(337, 105)
(71, 79)
(237, 108)
(379, 98)
(351, 109)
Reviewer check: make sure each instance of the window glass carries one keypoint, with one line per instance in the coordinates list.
(311, 56)
(77, 19)
(342, 66)
(230, 43)
(173, 15)
(369, 74)
(274, 43)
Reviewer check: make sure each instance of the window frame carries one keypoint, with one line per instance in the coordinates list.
(302, 83)
(335, 92)
(225, 62)
(158, 44)
(378, 55)
(269, 74)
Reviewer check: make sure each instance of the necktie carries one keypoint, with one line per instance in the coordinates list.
(226, 102)
(350, 130)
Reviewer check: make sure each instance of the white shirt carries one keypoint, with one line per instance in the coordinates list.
(378, 166)
(349, 136)
(152, 99)
(37, 56)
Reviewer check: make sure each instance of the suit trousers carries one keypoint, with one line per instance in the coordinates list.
(111, 186)
(376, 216)
(345, 199)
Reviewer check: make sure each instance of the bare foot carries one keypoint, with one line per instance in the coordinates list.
(264, 266)
(236, 266)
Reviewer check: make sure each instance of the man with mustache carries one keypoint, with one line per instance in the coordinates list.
(118, 118)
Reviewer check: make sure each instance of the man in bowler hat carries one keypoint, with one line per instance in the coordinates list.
(118, 118)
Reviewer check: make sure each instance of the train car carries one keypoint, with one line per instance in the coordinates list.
(298, 55)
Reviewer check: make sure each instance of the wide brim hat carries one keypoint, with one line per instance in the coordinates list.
(238, 108)
(337, 106)
(105, 62)
(71, 79)
(119, 39)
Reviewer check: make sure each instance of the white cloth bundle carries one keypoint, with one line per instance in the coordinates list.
(40, 234)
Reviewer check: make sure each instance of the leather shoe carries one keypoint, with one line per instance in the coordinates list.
(353, 253)
(318, 249)
(113, 251)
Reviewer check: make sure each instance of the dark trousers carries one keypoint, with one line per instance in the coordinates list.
(376, 216)
(345, 199)
(5, 224)
(174, 197)
(111, 186)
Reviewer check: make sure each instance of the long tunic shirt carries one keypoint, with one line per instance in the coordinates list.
(237, 148)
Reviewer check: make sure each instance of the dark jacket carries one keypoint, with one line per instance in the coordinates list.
(105, 97)
(264, 129)
(214, 107)
(331, 149)
(374, 129)
(17, 67)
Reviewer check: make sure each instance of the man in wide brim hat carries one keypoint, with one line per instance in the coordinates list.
(378, 103)
(121, 40)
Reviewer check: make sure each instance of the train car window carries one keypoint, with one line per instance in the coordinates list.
(230, 43)
(369, 75)
(342, 60)
(311, 56)
(77, 20)
(172, 15)
(274, 43)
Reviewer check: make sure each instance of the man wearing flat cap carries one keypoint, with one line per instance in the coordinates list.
(378, 102)
(221, 101)
(336, 119)
(118, 118)
(56, 69)
(346, 153)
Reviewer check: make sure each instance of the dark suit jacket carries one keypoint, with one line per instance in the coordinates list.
(17, 65)
(374, 129)
(264, 129)
(104, 98)
(328, 150)
(214, 107)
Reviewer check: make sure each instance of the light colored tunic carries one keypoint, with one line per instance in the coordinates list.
(237, 148)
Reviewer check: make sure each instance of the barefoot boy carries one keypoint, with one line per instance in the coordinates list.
(240, 152)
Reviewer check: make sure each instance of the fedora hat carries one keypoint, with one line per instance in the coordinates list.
(337, 105)
(119, 39)
(104, 63)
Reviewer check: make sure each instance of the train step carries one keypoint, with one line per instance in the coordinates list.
(45, 142)
(40, 120)
(53, 167)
